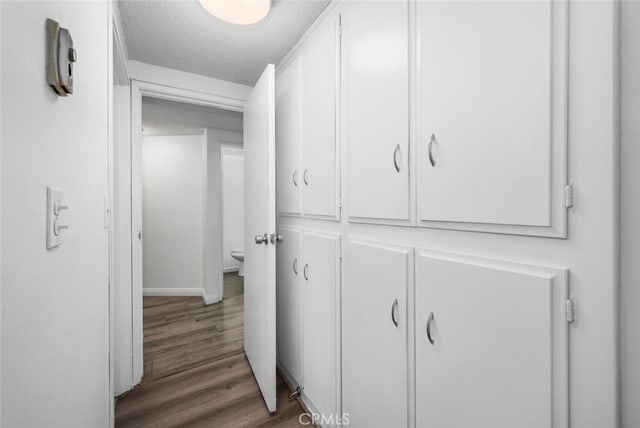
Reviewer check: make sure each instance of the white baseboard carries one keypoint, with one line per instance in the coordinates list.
(210, 298)
(172, 291)
(231, 269)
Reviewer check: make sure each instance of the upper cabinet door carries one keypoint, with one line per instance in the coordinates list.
(491, 115)
(288, 296)
(491, 343)
(288, 139)
(375, 90)
(319, 56)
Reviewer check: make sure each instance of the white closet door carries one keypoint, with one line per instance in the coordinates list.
(374, 335)
(319, 88)
(288, 175)
(320, 273)
(288, 300)
(492, 112)
(491, 343)
(376, 109)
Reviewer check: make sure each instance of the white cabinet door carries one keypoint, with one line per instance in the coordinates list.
(491, 343)
(491, 114)
(374, 335)
(375, 90)
(288, 296)
(320, 273)
(319, 88)
(288, 139)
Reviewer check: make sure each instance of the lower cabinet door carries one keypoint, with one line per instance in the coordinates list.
(374, 341)
(288, 318)
(491, 343)
(320, 273)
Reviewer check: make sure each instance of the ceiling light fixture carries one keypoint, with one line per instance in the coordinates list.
(243, 12)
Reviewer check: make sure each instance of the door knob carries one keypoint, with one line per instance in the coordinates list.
(276, 238)
(262, 239)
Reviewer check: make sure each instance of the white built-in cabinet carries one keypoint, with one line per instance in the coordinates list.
(491, 340)
(451, 115)
(375, 109)
(306, 126)
(374, 334)
(307, 315)
(491, 115)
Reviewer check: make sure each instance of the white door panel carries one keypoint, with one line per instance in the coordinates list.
(491, 338)
(374, 341)
(289, 178)
(289, 319)
(320, 272)
(260, 220)
(491, 112)
(375, 87)
(319, 72)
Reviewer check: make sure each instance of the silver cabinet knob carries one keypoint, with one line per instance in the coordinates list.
(262, 239)
(305, 177)
(295, 178)
(305, 271)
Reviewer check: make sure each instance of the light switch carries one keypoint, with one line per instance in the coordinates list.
(55, 222)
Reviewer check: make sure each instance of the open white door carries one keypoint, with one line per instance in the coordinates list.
(259, 241)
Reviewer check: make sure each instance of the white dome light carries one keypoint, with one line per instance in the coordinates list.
(243, 12)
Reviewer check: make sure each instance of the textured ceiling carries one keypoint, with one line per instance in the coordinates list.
(162, 117)
(181, 35)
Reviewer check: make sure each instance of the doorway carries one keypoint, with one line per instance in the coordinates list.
(184, 234)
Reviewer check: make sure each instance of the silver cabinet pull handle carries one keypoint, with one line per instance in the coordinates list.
(429, 322)
(305, 177)
(262, 239)
(295, 178)
(305, 271)
(394, 308)
(396, 152)
(431, 141)
(295, 266)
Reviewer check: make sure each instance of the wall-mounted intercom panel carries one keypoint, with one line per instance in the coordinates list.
(60, 58)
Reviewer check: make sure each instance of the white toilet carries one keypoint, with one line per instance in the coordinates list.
(238, 254)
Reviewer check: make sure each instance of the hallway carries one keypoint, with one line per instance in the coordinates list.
(195, 372)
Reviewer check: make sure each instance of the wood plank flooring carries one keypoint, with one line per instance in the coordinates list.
(196, 373)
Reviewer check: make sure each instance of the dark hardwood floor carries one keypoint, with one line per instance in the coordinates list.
(195, 370)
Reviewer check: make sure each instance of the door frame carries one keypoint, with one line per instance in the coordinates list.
(139, 89)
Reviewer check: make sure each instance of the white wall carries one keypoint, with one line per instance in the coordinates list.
(188, 81)
(55, 304)
(173, 174)
(232, 204)
(214, 286)
(630, 212)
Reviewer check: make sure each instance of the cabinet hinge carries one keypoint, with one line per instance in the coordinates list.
(570, 311)
(568, 195)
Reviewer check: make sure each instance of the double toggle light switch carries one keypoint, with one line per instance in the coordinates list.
(55, 209)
